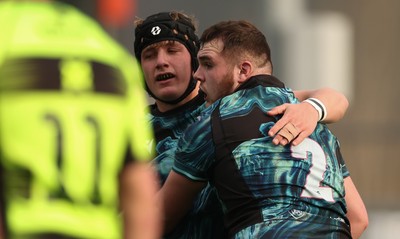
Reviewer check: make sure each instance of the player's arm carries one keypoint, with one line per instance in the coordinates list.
(335, 102)
(299, 120)
(141, 210)
(356, 211)
(177, 195)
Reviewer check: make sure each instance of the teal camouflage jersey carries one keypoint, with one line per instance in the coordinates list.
(205, 219)
(267, 191)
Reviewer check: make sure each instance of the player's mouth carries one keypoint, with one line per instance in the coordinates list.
(164, 77)
(201, 91)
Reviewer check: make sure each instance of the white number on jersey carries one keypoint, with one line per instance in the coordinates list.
(310, 149)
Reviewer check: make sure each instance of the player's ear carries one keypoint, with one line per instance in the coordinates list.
(245, 71)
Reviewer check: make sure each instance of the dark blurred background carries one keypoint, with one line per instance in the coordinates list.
(352, 46)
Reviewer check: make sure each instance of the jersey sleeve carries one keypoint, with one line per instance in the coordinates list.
(195, 152)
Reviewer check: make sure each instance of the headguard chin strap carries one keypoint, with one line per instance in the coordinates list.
(162, 27)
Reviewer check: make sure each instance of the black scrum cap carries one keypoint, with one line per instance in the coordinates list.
(162, 27)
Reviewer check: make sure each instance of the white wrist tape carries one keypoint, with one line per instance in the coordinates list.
(319, 106)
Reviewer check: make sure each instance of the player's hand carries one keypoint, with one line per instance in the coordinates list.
(297, 123)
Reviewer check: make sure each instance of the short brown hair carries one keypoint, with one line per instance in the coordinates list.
(240, 38)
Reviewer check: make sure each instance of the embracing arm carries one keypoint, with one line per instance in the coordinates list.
(356, 211)
(177, 196)
(299, 120)
(335, 102)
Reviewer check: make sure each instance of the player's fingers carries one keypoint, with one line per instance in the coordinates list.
(284, 132)
(277, 139)
(278, 126)
(299, 138)
(284, 142)
(277, 110)
(289, 132)
(292, 129)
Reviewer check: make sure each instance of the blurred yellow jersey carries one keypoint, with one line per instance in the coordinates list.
(72, 106)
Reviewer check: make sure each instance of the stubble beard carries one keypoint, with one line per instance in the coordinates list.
(227, 85)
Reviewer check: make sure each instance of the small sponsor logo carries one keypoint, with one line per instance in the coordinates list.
(155, 30)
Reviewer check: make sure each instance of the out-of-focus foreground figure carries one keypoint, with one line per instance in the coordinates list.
(72, 129)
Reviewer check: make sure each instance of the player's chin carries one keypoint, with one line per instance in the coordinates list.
(208, 100)
(168, 94)
(204, 93)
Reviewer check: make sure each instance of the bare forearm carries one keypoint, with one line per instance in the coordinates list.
(335, 102)
(177, 195)
(356, 211)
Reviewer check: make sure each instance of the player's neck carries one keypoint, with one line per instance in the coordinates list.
(164, 107)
